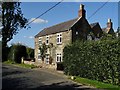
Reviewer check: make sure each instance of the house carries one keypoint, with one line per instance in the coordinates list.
(109, 28)
(65, 33)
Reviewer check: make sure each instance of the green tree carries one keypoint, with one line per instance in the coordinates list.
(43, 49)
(17, 51)
(12, 21)
(30, 52)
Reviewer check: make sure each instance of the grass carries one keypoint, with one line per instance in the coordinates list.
(96, 84)
(21, 65)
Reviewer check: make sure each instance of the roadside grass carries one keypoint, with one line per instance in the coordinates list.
(21, 65)
(96, 84)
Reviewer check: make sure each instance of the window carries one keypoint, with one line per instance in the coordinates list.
(40, 41)
(39, 57)
(76, 32)
(89, 37)
(47, 59)
(59, 38)
(47, 40)
(58, 58)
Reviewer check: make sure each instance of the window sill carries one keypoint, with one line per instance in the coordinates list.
(59, 43)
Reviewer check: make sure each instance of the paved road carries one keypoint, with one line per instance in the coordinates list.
(14, 77)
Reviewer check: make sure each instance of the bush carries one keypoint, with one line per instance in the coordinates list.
(97, 60)
(30, 52)
(17, 52)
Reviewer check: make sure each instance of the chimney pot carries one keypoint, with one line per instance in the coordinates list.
(82, 12)
(109, 20)
(81, 6)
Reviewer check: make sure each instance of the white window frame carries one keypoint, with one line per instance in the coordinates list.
(59, 38)
(58, 57)
(47, 39)
(47, 59)
(39, 57)
(40, 40)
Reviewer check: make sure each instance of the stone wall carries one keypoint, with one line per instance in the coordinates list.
(57, 48)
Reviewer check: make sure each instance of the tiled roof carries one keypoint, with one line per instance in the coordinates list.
(59, 28)
(93, 24)
(105, 30)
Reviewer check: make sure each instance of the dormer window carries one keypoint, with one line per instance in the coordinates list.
(59, 38)
(47, 40)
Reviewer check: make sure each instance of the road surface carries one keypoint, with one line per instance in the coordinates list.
(15, 78)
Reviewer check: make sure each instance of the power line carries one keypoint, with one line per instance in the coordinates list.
(45, 12)
(99, 9)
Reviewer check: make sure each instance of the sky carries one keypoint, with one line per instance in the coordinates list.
(63, 12)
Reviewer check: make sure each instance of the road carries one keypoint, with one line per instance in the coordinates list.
(15, 78)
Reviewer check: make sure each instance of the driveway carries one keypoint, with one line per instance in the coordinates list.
(14, 77)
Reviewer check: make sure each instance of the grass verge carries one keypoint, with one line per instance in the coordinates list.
(21, 65)
(96, 84)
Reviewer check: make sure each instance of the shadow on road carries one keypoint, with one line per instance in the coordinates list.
(15, 78)
(18, 84)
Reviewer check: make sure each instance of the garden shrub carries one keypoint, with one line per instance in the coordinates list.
(17, 52)
(97, 60)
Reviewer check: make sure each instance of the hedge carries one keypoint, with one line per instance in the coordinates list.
(96, 60)
(17, 52)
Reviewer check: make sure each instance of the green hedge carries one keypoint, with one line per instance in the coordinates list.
(17, 52)
(97, 60)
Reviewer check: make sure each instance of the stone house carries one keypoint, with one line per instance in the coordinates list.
(65, 33)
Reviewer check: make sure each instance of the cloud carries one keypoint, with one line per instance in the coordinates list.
(38, 21)
(29, 37)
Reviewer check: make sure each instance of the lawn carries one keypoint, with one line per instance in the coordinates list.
(96, 84)
(21, 65)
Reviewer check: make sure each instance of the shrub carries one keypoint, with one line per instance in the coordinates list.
(17, 52)
(30, 52)
(97, 60)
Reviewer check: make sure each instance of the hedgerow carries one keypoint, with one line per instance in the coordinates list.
(97, 60)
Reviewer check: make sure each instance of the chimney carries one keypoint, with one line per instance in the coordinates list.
(82, 12)
(109, 24)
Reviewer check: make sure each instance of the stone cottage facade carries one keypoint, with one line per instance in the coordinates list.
(60, 35)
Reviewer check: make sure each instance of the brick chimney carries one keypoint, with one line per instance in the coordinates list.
(109, 24)
(82, 12)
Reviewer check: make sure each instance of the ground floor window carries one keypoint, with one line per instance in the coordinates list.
(59, 57)
(39, 57)
(47, 59)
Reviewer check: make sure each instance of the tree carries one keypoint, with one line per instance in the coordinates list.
(118, 32)
(12, 21)
(30, 52)
(17, 51)
(43, 49)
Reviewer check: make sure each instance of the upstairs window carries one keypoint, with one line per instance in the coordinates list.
(47, 40)
(59, 57)
(59, 38)
(40, 41)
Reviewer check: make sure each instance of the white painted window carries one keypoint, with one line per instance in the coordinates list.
(59, 57)
(59, 38)
(40, 41)
(47, 59)
(39, 55)
(76, 32)
(89, 37)
(47, 40)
